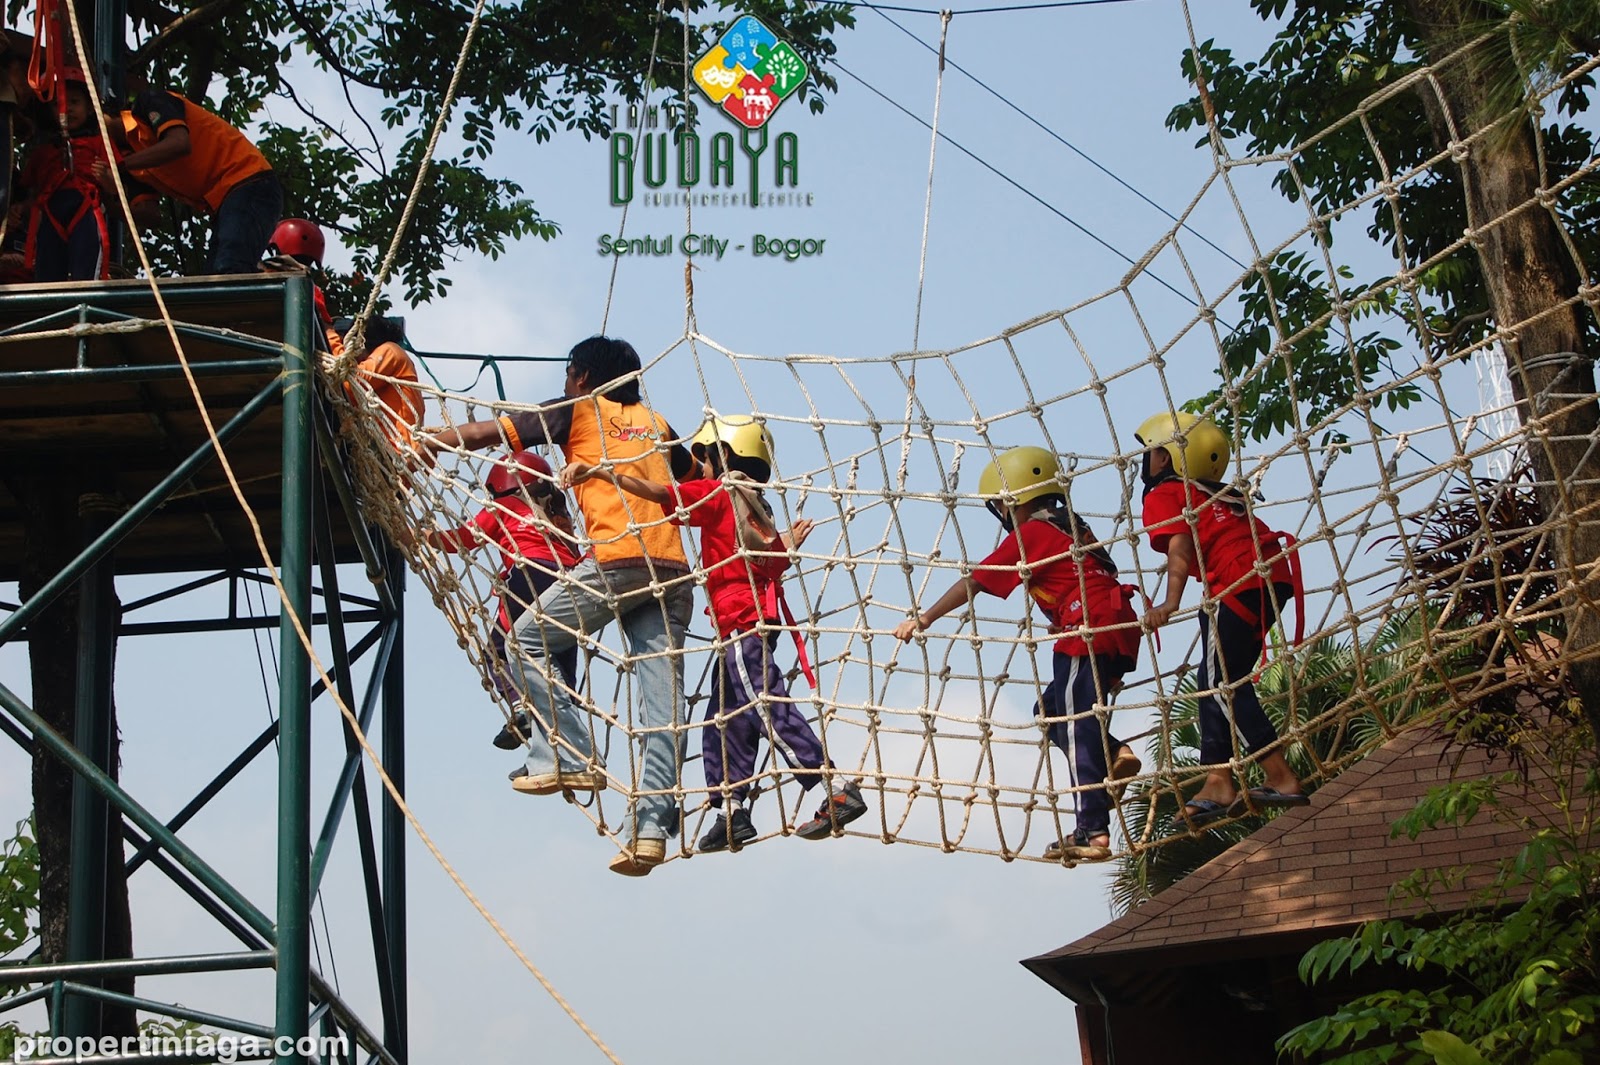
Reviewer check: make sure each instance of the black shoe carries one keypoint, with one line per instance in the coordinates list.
(839, 810)
(734, 831)
(506, 739)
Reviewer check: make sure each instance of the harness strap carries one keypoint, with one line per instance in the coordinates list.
(1286, 545)
(799, 641)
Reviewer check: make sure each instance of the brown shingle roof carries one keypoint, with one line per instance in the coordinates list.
(1320, 867)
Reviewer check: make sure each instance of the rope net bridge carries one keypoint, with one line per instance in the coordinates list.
(1430, 588)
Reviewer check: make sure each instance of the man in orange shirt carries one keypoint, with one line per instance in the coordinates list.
(186, 152)
(637, 573)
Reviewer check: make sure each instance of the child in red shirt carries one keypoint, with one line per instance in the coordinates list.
(67, 238)
(1023, 490)
(528, 521)
(1219, 546)
(744, 557)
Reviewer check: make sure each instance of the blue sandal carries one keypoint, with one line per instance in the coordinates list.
(1202, 813)
(1265, 798)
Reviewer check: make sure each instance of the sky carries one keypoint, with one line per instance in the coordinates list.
(845, 949)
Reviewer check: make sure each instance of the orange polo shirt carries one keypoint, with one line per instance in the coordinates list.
(220, 157)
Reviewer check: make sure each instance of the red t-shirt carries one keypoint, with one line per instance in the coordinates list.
(739, 595)
(1071, 593)
(518, 536)
(1225, 535)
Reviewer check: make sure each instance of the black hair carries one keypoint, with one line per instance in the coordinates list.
(385, 330)
(603, 359)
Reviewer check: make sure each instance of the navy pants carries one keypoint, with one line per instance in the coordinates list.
(243, 224)
(76, 257)
(1079, 683)
(749, 690)
(523, 588)
(1230, 654)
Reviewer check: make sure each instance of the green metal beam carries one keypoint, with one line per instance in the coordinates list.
(294, 703)
(28, 973)
(394, 823)
(25, 973)
(115, 374)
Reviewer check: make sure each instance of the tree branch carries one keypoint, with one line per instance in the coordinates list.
(181, 27)
(326, 53)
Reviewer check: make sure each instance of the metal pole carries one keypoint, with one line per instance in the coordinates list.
(86, 886)
(294, 680)
(394, 822)
(110, 17)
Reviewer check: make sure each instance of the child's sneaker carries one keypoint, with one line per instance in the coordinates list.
(726, 831)
(514, 733)
(839, 810)
(1079, 849)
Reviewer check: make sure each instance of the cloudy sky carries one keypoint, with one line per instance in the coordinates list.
(846, 949)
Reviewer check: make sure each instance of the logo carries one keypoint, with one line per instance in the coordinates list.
(749, 73)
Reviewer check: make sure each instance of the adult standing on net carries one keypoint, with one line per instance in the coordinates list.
(637, 574)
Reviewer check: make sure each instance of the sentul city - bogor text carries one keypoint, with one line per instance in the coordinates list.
(701, 244)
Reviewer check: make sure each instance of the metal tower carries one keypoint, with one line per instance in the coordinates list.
(90, 367)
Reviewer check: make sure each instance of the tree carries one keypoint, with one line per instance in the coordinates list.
(536, 68)
(1517, 281)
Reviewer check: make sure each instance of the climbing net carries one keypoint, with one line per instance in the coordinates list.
(1430, 585)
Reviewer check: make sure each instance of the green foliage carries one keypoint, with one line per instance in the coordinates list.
(19, 912)
(1512, 977)
(19, 890)
(1298, 345)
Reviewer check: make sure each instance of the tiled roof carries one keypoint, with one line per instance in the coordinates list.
(1319, 867)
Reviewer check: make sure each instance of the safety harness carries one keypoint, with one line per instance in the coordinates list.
(72, 174)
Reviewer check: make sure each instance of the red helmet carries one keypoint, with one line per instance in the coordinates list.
(298, 239)
(524, 469)
(74, 74)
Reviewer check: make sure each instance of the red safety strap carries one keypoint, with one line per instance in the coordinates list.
(1286, 544)
(90, 204)
(49, 56)
(776, 592)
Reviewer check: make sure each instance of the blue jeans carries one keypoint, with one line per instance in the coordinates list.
(243, 225)
(653, 621)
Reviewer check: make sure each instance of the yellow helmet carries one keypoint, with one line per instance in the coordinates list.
(1202, 454)
(744, 436)
(1022, 474)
